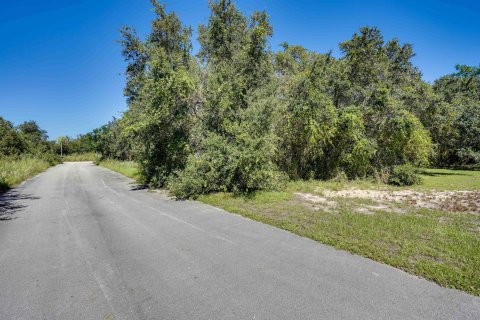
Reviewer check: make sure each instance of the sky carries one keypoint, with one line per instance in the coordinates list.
(61, 64)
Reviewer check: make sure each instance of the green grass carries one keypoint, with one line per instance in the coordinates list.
(432, 179)
(89, 156)
(127, 168)
(15, 170)
(438, 245)
(446, 179)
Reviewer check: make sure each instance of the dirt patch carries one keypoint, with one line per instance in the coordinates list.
(387, 200)
(314, 198)
(466, 201)
(321, 203)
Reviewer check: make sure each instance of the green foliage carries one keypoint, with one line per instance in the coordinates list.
(10, 142)
(27, 141)
(159, 88)
(468, 124)
(308, 122)
(352, 151)
(404, 175)
(405, 140)
(86, 156)
(221, 166)
(460, 100)
(239, 117)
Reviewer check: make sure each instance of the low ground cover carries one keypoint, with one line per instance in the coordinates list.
(127, 168)
(14, 170)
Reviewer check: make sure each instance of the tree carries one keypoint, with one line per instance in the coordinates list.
(10, 142)
(237, 87)
(308, 115)
(239, 117)
(159, 87)
(32, 131)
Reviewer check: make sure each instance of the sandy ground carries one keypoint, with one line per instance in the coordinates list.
(387, 200)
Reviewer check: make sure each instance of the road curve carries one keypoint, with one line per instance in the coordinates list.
(82, 242)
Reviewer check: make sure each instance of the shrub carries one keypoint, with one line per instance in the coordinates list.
(405, 140)
(467, 156)
(208, 171)
(50, 157)
(243, 166)
(404, 175)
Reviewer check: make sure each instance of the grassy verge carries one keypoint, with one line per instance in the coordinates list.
(127, 168)
(446, 179)
(89, 156)
(15, 170)
(439, 245)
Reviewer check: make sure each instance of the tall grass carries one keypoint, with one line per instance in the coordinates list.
(15, 170)
(88, 156)
(127, 168)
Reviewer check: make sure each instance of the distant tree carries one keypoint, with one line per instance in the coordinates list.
(10, 141)
(32, 131)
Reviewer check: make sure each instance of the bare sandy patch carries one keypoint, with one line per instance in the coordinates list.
(321, 203)
(466, 201)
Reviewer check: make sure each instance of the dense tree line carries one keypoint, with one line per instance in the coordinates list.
(26, 139)
(241, 117)
(106, 141)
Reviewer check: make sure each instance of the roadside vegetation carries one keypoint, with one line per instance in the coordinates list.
(240, 117)
(24, 152)
(328, 147)
(127, 168)
(14, 170)
(86, 156)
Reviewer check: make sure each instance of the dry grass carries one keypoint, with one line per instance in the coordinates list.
(15, 170)
(127, 168)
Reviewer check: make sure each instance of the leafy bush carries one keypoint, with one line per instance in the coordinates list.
(223, 166)
(404, 175)
(50, 157)
(467, 156)
(209, 171)
(405, 140)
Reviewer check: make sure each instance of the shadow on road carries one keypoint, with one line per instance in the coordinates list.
(11, 202)
(139, 187)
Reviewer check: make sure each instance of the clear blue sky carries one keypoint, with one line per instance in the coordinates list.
(61, 66)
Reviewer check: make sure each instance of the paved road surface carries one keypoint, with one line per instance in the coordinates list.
(83, 242)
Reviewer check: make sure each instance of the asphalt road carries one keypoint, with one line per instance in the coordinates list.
(82, 242)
